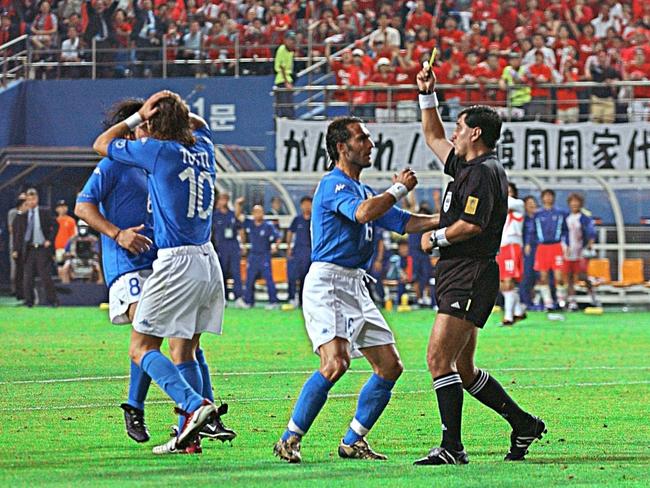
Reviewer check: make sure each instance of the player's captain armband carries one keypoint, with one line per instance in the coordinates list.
(471, 205)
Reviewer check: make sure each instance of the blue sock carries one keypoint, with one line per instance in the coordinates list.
(205, 374)
(191, 371)
(312, 398)
(167, 376)
(373, 399)
(139, 382)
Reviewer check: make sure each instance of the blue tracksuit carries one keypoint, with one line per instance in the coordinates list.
(224, 237)
(298, 264)
(529, 277)
(259, 258)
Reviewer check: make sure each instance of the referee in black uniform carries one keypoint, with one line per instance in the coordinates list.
(473, 213)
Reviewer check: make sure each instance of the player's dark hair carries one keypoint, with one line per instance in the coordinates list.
(487, 119)
(576, 196)
(121, 111)
(549, 192)
(306, 199)
(20, 201)
(172, 122)
(337, 132)
(513, 187)
(530, 197)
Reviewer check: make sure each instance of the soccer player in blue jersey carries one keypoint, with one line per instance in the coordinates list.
(225, 237)
(299, 250)
(551, 235)
(184, 295)
(341, 319)
(264, 238)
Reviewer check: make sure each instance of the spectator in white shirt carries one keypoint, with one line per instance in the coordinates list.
(604, 21)
(71, 52)
(388, 35)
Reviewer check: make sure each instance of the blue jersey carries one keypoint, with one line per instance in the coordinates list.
(120, 193)
(181, 185)
(301, 228)
(337, 237)
(530, 234)
(261, 236)
(550, 226)
(224, 229)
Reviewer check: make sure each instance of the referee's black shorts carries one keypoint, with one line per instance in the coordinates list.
(467, 288)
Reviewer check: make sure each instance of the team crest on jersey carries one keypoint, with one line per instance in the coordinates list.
(447, 202)
(120, 143)
(339, 187)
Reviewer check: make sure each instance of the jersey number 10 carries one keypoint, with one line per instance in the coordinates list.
(195, 202)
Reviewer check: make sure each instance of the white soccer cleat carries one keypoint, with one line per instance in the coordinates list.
(240, 303)
(194, 422)
(171, 447)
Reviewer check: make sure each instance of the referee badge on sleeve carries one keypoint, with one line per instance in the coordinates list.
(470, 206)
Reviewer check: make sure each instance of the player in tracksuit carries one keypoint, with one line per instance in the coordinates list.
(529, 278)
(582, 235)
(299, 250)
(551, 235)
(225, 229)
(263, 237)
(422, 269)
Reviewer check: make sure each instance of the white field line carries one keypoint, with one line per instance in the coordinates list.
(334, 395)
(295, 372)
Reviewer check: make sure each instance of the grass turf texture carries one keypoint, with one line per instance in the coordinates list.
(587, 377)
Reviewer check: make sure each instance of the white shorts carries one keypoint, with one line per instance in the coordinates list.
(184, 295)
(336, 303)
(124, 291)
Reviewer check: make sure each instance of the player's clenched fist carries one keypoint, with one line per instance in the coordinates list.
(407, 178)
(426, 79)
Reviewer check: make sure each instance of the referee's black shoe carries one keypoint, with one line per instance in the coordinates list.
(135, 426)
(520, 441)
(439, 456)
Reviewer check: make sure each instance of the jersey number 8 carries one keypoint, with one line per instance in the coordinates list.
(195, 202)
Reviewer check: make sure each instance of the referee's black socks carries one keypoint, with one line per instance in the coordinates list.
(490, 393)
(449, 391)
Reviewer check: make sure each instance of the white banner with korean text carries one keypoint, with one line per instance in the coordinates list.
(300, 146)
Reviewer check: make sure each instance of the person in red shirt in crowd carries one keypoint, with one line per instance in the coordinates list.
(324, 31)
(450, 35)
(323, 5)
(639, 38)
(256, 46)
(567, 97)
(521, 35)
(383, 77)
(498, 35)
(581, 13)
(507, 15)
(382, 51)
(405, 73)
(532, 17)
(354, 22)
(279, 22)
(639, 70)
(564, 43)
(346, 73)
(419, 17)
(449, 73)
(478, 42)
(490, 73)
(362, 100)
(484, 10)
(423, 43)
(540, 104)
(494, 48)
(470, 72)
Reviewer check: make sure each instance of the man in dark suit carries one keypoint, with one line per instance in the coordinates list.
(34, 232)
(100, 28)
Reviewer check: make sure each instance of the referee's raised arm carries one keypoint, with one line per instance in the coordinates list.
(432, 128)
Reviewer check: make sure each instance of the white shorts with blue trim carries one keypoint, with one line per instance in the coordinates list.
(124, 291)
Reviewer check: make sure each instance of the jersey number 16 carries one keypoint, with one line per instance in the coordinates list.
(195, 202)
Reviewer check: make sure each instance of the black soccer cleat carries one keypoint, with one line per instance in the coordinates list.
(216, 429)
(521, 441)
(439, 456)
(136, 429)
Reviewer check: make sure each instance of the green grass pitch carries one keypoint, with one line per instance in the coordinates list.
(63, 374)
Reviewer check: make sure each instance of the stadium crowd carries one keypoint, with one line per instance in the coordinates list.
(481, 43)
(399, 266)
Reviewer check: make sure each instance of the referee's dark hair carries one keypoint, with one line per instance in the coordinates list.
(121, 111)
(513, 188)
(337, 132)
(487, 119)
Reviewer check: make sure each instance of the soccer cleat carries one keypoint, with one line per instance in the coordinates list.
(194, 422)
(216, 429)
(359, 450)
(523, 316)
(507, 323)
(240, 303)
(439, 456)
(573, 307)
(136, 429)
(521, 441)
(288, 450)
(171, 447)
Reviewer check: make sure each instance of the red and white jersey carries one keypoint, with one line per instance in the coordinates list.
(513, 230)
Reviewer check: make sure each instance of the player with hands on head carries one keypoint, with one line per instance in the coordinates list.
(474, 209)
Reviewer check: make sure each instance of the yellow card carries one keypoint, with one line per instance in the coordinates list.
(470, 207)
(433, 57)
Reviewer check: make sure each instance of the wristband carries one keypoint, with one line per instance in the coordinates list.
(438, 238)
(398, 190)
(117, 235)
(133, 121)
(428, 101)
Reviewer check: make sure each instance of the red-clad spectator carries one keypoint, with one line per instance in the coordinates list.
(323, 5)
(177, 11)
(354, 22)
(383, 77)
(405, 74)
(450, 35)
(450, 73)
(563, 43)
(364, 5)
(508, 15)
(539, 72)
(423, 43)
(477, 41)
(493, 48)
(521, 35)
(346, 73)
(44, 27)
(498, 35)
(419, 17)
(581, 13)
(567, 97)
(279, 23)
(490, 73)
(470, 72)
(173, 40)
(484, 10)
(532, 16)
(122, 28)
(639, 38)
(383, 51)
(638, 69)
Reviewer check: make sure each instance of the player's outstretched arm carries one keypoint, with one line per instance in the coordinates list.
(422, 223)
(432, 128)
(375, 207)
(459, 231)
(129, 238)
